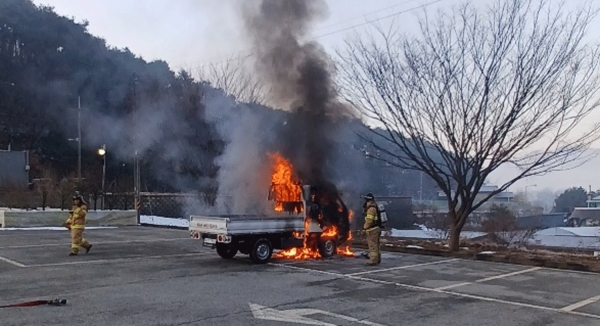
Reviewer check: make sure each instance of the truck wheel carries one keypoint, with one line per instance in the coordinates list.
(226, 251)
(261, 251)
(327, 247)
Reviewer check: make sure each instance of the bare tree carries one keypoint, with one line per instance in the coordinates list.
(478, 90)
(65, 188)
(235, 78)
(437, 222)
(46, 185)
(502, 227)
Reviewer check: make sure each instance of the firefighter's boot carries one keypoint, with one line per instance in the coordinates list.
(74, 252)
(87, 246)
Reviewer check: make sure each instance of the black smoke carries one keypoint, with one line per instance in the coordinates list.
(300, 74)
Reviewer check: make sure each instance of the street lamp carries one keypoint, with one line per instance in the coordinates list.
(78, 139)
(528, 187)
(102, 152)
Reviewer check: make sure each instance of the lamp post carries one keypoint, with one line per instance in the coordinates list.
(102, 152)
(526, 189)
(78, 139)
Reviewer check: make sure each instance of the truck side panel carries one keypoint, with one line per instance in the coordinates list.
(245, 225)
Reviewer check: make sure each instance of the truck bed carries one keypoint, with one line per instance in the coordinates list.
(246, 224)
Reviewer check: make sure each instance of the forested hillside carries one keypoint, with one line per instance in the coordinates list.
(48, 62)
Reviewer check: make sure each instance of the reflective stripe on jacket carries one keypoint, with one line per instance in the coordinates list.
(371, 217)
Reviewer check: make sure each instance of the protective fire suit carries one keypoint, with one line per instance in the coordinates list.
(76, 224)
(373, 232)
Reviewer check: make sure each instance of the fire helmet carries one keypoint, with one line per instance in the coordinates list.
(78, 196)
(369, 196)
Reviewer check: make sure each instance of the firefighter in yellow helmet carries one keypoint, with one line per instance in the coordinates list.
(372, 229)
(76, 224)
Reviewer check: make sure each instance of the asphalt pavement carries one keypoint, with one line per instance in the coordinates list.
(155, 276)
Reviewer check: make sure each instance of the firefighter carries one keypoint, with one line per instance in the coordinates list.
(76, 224)
(372, 229)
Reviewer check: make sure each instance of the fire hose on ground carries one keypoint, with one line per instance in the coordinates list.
(54, 302)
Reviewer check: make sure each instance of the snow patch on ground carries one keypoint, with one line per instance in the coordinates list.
(422, 227)
(589, 231)
(54, 228)
(414, 247)
(432, 234)
(560, 237)
(164, 221)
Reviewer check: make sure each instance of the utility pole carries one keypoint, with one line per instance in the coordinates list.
(79, 138)
(136, 172)
(421, 188)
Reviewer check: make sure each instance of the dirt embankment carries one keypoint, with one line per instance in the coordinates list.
(569, 259)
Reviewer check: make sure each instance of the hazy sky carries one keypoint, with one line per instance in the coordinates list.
(191, 33)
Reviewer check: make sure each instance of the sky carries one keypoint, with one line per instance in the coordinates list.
(192, 33)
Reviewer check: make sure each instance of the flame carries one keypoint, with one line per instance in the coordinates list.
(303, 253)
(330, 232)
(350, 217)
(284, 188)
(307, 252)
(345, 251)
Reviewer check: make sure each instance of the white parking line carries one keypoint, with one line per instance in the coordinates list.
(403, 267)
(452, 286)
(117, 260)
(580, 304)
(458, 294)
(491, 278)
(99, 243)
(12, 262)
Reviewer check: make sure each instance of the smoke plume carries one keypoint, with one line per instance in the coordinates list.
(300, 74)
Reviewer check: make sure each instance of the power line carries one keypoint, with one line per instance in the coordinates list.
(367, 14)
(320, 29)
(378, 19)
(249, 51)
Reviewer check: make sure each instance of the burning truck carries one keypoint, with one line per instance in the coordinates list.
(307, 221)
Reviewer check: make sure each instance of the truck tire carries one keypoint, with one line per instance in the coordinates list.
(261, 252)
(327, 247)
(226, 252)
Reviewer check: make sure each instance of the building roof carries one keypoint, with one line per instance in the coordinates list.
(542, 220)
(585, 213)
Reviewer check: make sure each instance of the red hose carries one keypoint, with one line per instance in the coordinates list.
(55, 302)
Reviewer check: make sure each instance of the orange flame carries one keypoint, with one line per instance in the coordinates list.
(300, 253)
(350, 217)
(307, 252)
(285, 189)
(345, 251)
(330, 232)
(282, 180)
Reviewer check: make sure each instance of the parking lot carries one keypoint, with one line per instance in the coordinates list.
(155, 276)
